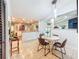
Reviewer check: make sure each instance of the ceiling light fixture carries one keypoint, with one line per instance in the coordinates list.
(55, 12)
(54, 1)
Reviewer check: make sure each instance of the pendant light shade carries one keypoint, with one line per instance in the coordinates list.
(54, 1)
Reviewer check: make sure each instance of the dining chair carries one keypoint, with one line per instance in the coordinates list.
(44, 45)
(40, 35)
(55, 35)
(61, 46)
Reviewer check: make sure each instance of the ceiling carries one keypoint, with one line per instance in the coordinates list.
(40, 9)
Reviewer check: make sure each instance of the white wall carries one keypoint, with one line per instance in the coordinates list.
(72, 43)
(30, 36)
(42, 26)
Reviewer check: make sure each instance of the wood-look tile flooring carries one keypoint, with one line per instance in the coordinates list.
(28, 50)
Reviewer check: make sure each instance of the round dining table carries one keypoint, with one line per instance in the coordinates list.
(52, 38)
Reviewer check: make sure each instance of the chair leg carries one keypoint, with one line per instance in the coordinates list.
(64, 50)
(38, 47)
(44, 50)
(62, 53)
(55, 47)
(52, 49)
(11, 47)
(18, 46)
(49, 48)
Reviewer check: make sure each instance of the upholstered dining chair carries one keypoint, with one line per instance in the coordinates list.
(61, 46)
(43, 44)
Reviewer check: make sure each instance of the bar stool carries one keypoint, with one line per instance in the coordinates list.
(12, 49)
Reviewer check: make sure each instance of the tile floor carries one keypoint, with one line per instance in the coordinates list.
(28, 50)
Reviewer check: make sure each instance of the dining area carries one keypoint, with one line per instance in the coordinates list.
(49, 44)
(41, 42)
(35, 45)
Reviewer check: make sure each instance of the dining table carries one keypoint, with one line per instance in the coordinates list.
(51, 40)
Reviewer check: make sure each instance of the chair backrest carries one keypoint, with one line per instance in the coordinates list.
(41, 35)
(64, 43)
(41, 41)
